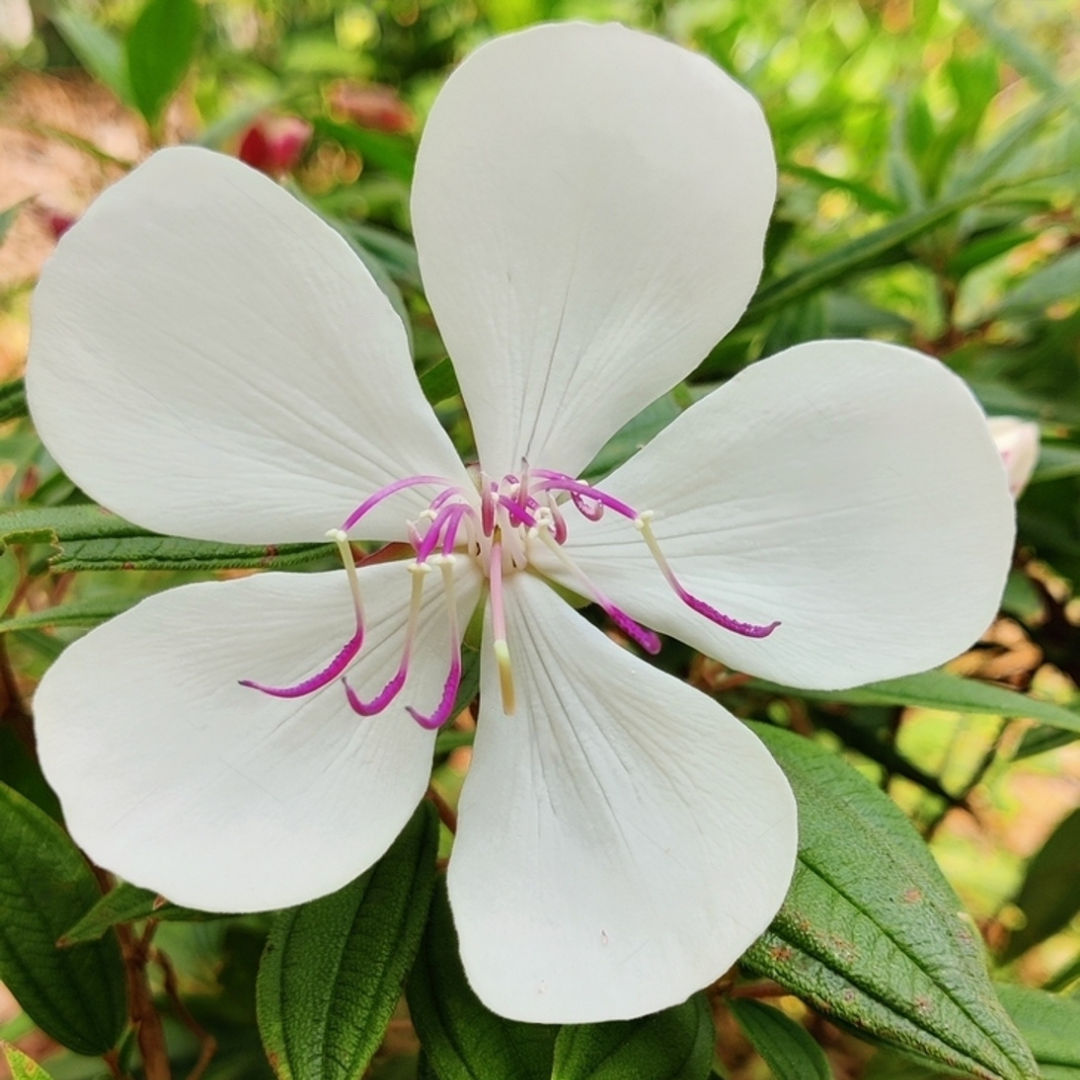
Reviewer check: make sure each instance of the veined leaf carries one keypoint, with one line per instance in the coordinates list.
(785, 1046)
(21, 1066)
(440, 381)
(160, 48)
(78, 613)
(1050, 894)
(333, 969)
(676, 1044)
(871, 935)
(942, 690)
(77, 996)
(1051, 1025)
(126, 903)
(462, 1039)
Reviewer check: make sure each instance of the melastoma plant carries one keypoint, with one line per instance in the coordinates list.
(209, 359)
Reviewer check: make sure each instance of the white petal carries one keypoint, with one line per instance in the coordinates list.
(1018, 443)
(590, 206)
(849, 489)
(622, 839)
(218, 796)
(210, 359)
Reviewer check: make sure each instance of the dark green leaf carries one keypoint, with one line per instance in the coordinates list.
(126, 903)
(786, 1047)
(99, 52)
(942, 690)
(56, 523)
(19, 770)
(1050, 894)
(871, 935)
(12, 394)
(333, 969)
(78, 613)
(439, 382)
(160, 48)
(676, 1044)
(1056, 460)
(1051, 1025)
(77, 996)
(462, 1039)
(855, 257)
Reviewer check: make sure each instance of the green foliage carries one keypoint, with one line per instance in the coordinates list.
(77, 995)
(333, 969)
(160, 48)
(786, 1046)
(891, 952)
(21, 1066)
(126, 903)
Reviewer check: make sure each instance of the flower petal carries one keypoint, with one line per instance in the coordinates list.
(218, 796)
(210, 359)
(849, 489)
(590, 207)
(622, 839)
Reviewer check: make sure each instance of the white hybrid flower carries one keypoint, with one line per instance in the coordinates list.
(1018, 443)
(209, 359)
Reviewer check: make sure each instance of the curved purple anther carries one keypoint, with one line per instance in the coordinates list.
(559, 522)
(649, 641)
(435, 530)
(745, 629)
(385, 492)
(487, 507)
(381, 700)
(556, 481)
(589, 508)
(445, 707)
(451, 530)
(318, 681)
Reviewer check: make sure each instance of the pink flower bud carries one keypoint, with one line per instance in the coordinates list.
(375, 107)
(273, 144)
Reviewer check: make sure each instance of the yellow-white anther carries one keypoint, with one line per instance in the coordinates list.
(506, 677)
(341, 538)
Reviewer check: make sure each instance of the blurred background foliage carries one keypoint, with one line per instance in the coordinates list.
(929, 158)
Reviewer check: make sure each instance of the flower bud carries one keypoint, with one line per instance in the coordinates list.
(376, 107)
(273, 144)
(1018, 443)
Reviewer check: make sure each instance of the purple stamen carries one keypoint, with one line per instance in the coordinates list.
(487, 507)
(381, 700)
(517, 512)
(391, 489)
(446, 703)
(555, 481)
(589, 508)
(745, 629)
(318, 681)
(645, 638)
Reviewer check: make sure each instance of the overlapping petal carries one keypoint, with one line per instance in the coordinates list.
(621, 840)
(209, 359)
(218, 796)
(590, 206)
(849, 489)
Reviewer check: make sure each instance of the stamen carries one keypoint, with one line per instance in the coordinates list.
(644, 637)
(391, 690)
(340, 537)
(751, 630)
(555, 481)
(498, 629)
(445, 707)
(391, 489)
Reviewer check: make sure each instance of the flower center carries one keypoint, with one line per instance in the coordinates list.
(496, 524)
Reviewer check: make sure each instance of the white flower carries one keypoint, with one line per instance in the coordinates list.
(1018, 443)
(209, 359)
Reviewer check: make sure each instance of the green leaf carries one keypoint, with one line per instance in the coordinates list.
(462, 1039)
(440, 381)
(19, 770)
(942, 690)
(21, 1066)
(1050, 894)
(785, 1046)
(91, 538)
(1056, 460)
(857, 256)
(333, 969)
(160, 48)
(127, 903)
(78, 613)
(871, 935)
(99, 51)
(391, 153)
(1051, 1025)
(676, 1044)
(12, 394)
(7, 219)
(77, 996)
(1057, 280)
